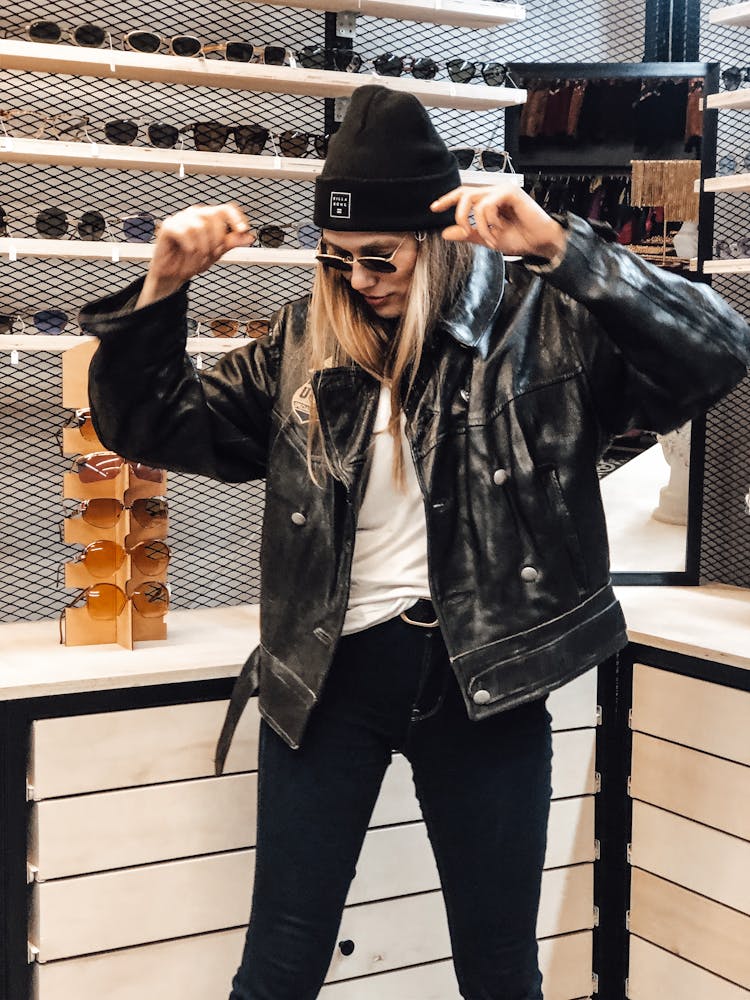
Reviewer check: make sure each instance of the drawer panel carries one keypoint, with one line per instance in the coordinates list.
(694, 784)
(694, 713)
(106, 830)
(658, 975)
(88, 753)
(132, 906)
(172, 743)
(685, 923)
(195, 968)
(707, 861)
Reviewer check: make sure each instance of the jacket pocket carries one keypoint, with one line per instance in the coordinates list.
(566, 523)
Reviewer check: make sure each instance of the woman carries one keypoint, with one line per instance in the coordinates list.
(434, 556)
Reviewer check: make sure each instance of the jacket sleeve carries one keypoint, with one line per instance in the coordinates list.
(658, 349)
(149, 404)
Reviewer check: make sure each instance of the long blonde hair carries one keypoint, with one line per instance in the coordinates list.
(341, 331)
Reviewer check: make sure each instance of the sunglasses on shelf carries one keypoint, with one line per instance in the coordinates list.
(235, 50)
(379, 265)
(50, 322)
(105, 512)
(732, 249)
(90, 36)
(99, 466)
(252, 139)
(123, 132)
(52, 223)
(489, 159)
(106, 601)
(224, 327)
(271, 235)
(103, 557)
(731, 164)
(733, 76)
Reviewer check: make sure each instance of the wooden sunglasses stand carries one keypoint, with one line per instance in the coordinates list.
(129, 626)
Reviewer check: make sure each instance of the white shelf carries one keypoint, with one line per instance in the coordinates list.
(462, 13)
(737, 99)
(732, 265)
(736, 15)
(730, 182)
(33, 343)
(135, 252)
(110, 156)
(116, 64)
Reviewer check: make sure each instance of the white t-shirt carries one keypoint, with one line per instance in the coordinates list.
(389, 566)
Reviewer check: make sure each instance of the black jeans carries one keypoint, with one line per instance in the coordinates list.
(484, 789)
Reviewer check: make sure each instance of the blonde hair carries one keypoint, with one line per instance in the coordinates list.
(341, 331)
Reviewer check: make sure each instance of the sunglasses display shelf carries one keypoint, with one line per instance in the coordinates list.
(460, 13)
(125, 488)
(734, 15)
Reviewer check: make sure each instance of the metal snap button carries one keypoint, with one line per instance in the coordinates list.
(298, 518)
(500, 476)
(464, 394)
(481, 697)
(529, 574)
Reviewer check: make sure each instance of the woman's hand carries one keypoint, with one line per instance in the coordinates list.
(190, 242)
(505, 219)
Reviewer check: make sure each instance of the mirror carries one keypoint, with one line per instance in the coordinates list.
(624, 144)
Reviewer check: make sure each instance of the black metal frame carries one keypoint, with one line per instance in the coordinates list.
(653, 70)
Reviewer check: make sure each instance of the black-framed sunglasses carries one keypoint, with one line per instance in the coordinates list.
(733, 76)
(252, 139)
(124, 131)
(489, 159)
(90, 36)
(380, 265)
(234, 50)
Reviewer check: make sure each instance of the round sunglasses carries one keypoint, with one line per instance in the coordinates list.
(50, 322)
(86, 35)
(107, 601)
(378, 264)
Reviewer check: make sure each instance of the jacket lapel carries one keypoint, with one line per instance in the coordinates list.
(346, 399)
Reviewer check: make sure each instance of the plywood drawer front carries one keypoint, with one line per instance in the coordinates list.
(658, 975)
(196, 968)
(695, 713)
(685, 923)
(573, 763)
(88, 753)
(698, 785)
(135, 826)
(573, 706)
(695, 856)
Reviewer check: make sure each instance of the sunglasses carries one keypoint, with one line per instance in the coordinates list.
(271, 235)
(149, 42)
(53, 224)
(223, 327)
(51, 322)
(105, 512)
(489, 159)
(730, 164)
(106, 601)
(494, 74)
(732, 249)
(89, 36)
(104, 558)
(380, 265)
(123, 132)
(733, 76)
(252, 139)
(104, 465)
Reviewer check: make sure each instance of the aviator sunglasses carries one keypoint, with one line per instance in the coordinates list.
(106, 601)
(105, 512)
(380, 265)
(99, 466)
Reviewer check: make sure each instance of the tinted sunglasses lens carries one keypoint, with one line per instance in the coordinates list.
(52, 223)
(491, 160)
(731, 78)
(90, 36)
(210, 136)
(320, 145)
(333, 262)
(464, 156)
(312, 57)
(121, 131)
(105, 601)
(149, 510)
(92, 226)
(163, 136)
(309, 236)
(493, 74)
(97, 468)
(238, 52)
(50, 321)
(103, 558)
(146, 473)
(294, 143)
(139, 228)
(460, 71)
(257, 328)
(377, 265)
(274, 55)
(6, 324)
(224, 327)
(727, 165)
(45, 31)
(389, 65)
(143, 41)
(270, 236)
(102, 512)
(151, 599)
(424, 69)
(151, 557)
(347, 61)
(185, 45)
(250, 139)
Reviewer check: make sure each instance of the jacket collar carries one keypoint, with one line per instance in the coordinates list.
(471, 317)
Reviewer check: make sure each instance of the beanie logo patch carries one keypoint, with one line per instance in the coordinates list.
(341, 205)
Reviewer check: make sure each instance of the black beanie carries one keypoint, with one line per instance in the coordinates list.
(384, 167)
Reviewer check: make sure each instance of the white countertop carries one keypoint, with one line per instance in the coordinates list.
(711, 623)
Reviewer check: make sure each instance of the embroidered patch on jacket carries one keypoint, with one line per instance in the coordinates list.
(301, 401)
(341, 205)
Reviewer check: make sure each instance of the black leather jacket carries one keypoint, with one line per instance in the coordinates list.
(505, 448)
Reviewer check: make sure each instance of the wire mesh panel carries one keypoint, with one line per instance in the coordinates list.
(214, 528)
(725, 541)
